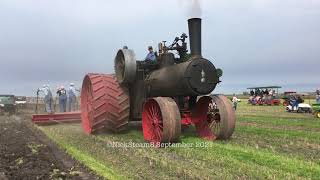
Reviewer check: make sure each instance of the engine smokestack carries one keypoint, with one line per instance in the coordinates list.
(194, 25)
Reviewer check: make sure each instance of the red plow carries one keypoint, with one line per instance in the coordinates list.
(42, 119)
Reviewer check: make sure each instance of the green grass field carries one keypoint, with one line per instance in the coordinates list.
(268, 143)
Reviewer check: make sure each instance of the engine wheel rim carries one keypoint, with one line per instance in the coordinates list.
(86, 103)
(152, 122)
(202, 119)
(161, 121)
(214, 117)
(318, 114)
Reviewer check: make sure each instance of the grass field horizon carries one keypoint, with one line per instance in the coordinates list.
(268, 143)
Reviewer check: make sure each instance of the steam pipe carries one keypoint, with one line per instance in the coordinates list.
(194, 25)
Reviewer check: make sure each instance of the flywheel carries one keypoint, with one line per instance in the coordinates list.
(125, 66)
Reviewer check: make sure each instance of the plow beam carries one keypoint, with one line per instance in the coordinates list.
(56, 118)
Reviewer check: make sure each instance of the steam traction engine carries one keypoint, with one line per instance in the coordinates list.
(167, 94)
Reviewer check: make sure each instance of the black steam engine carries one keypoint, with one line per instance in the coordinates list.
(167, 94)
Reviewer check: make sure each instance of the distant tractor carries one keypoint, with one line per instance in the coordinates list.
(316, 110)
(265, 95)
(286, 98)
(21, 101)
(300, 108)
(296, 103)
(7, 104)
(165, 94)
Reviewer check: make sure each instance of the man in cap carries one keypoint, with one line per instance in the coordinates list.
(151, 56)
(72, 97)
(62, 93)
(48, 99)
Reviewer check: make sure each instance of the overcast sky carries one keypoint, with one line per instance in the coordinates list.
(255, 42)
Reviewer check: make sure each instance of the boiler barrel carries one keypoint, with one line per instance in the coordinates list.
(194, 77)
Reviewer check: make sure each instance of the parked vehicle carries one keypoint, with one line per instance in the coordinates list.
(296, 103)
(316, 110)
(286, 96)
(21, 101)
(266, 95)
(301, 108)
(7, 104)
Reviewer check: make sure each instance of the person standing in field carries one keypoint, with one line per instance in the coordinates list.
(234, 101)
(318, 96)
(48, 99)
(62, 93)
(72, 97)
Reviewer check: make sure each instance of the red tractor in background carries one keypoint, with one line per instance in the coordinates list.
(265, 95)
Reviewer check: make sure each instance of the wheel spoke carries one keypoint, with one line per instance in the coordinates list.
(150, 118)
(152, 110)
(155, 111)
(154, 122)
(216, 127)
(160, 125)
(149, 113)
(158, 134)
(152, 115)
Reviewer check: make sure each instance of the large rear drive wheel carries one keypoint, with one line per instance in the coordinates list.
(104, 104)
(214, 117)
(161, 120)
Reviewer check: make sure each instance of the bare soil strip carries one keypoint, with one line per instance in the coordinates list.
(26, 153)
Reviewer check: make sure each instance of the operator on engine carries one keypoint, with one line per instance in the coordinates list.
(151, 56)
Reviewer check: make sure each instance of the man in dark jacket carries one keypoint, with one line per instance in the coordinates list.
(62, 93)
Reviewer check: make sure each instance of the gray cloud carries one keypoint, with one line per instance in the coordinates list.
(254, 42)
